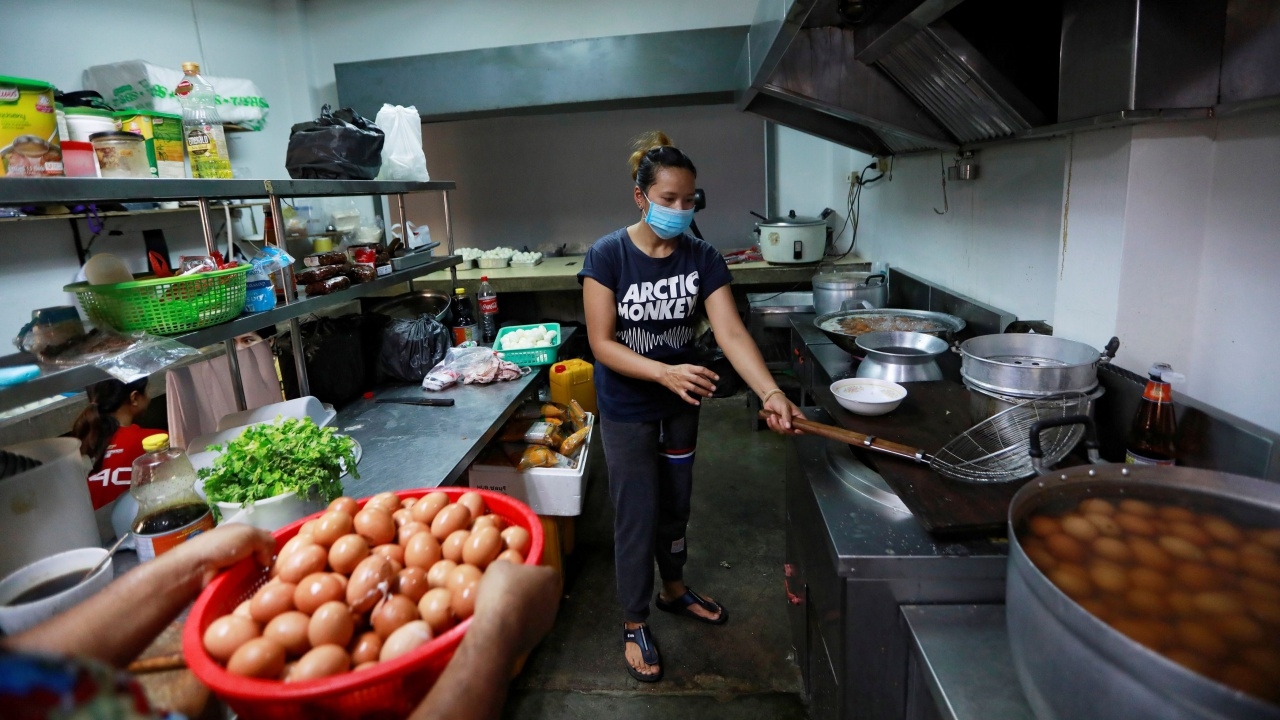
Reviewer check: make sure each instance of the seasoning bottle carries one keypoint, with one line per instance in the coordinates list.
(1152, 435)
(201, 125)
(169, 510)
(464, 320)
(488, 311)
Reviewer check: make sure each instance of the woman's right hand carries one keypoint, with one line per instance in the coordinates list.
(690, 382)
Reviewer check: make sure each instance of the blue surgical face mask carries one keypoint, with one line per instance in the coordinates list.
(667, 222)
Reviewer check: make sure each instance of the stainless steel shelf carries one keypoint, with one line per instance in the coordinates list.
(124, 213)
(75, 379)
(45, 191)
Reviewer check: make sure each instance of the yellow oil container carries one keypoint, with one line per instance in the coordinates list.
(572, 380)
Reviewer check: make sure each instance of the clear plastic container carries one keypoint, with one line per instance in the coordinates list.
(169, 509)
(121, 155)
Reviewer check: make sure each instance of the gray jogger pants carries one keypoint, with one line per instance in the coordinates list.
(650, 482)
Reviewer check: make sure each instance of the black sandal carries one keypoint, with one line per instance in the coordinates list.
(680, 606)
(643, 638)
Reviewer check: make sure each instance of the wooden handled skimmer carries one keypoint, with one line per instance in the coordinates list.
(871, 442)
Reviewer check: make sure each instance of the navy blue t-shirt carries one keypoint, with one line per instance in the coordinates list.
(657, 302)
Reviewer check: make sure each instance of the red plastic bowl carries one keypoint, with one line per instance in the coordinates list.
(388, 690)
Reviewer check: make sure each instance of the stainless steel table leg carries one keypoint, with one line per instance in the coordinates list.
(295, 328)
(237, 382)
(448, 233)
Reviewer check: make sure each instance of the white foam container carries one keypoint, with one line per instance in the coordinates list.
(47, 509)
(16, 618)
(547, 491)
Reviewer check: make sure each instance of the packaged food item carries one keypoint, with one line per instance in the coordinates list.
(333, 257)
(358, 273)
(30, 129)
(364, 255)
(120, 155)
(546, 411)
(572, 443)
(162, 134)
(577, 416)
(192, 264)
(536, 456)
(325, 287)
(536, 432)
(317, 274)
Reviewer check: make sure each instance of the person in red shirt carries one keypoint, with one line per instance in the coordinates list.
(109, 438)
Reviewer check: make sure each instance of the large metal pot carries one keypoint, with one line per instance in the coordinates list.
(1027, 365)
(983, 404)
(792, 239)
(1073, 665)
(832, 290)
(844, 326)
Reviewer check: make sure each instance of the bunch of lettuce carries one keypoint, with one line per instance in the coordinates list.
(269, 459)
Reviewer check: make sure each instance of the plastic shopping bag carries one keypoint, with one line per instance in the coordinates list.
(402, 156)
(338, 146)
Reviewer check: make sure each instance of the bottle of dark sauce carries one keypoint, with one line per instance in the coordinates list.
(1152, 436)
(169, 510)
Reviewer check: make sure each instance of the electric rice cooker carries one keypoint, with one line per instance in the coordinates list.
(792, 239)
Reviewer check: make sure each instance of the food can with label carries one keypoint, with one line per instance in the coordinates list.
(29, 144)
(163, 133)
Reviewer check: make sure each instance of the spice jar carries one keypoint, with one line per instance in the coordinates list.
(121, 155)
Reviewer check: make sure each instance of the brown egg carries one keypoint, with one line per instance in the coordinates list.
(1191, 533)
(243, 610)
(1112, 549)
(1246, 680)
(409, 529)
(392, 552)
(369, 583)
(1151, 633)
(366, 648)
(1265, 660)
(1063, 547)
(1146, 578)
(1140, 508)
(290, 630)
(423, 551)
(450, 519)
(1105, 524)
(492, 520)
(1108, 576)
(1146, 552)
(514, 556)
(365, 666)
(1239, 628)
(342, 580)
(258, 658)
(482, 547)
(1033, 546)
(375, 525)
(1196, 577)
(1072, 580)
(1256, 551)
(452, 545)
(1200, 638)
(1268, 538)
(1225, 558)
(307, 528)
(1259, 568)
(1189, 660)
(331, 526)
(413, 583)
(331, 624)
(407, 503)
(518, 539)
(1134, 524)
(226, 634)
(347, 552)
(401, 517)
(406, 638)
(1147, 603)
(1096, 505)
(473, 502)
(1219, 603)
(462, 576)
(1181, 603)
(1079, 528)
(1260, 588)
(389, 502)
(315, 590)
(302, 562)
(1044, 526)
(1173, 513)
(393, 612)
(435, 610)
(1222, 530)
(292, 545)
(464, 600)
(319, 662)
(346, 505)
(438, 574)
(425, 510)
(271, 600)
(1265, 609)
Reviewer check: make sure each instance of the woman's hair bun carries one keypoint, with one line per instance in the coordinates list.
(642, 144)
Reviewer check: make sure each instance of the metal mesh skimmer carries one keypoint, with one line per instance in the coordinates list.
(996, 449)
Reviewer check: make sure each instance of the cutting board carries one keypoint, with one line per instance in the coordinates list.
(931, 415)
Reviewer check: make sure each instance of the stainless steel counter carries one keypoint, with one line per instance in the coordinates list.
(961, 658)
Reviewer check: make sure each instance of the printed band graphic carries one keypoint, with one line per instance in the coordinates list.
(642, 341)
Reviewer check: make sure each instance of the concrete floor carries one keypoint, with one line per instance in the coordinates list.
(743, 669)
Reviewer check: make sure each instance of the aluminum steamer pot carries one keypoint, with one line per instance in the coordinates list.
(832, 290)
(1026, 365)
(1071, 664)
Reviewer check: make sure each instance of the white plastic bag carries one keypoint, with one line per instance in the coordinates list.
(140, 85)
(402, 156)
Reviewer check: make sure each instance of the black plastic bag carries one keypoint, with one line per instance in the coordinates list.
(338, 146)
(337, 366)
(410, 348)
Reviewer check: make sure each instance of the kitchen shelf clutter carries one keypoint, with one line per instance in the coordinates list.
(19, 192)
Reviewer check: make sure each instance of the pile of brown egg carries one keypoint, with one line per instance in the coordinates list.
(1195, 587)
(356, 587)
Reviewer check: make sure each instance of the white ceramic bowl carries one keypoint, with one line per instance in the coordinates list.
(273, 513)
(868, 396)
(16, 618)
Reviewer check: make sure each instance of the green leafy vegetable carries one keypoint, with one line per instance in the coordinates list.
(269, 459)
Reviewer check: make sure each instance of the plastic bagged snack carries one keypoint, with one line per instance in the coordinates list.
(534, 432)
(332, 257)
(325, 287)
(577, 416)
(572, 443)
(358, 273)
(318, 274)
(536, 410)
(540, 456)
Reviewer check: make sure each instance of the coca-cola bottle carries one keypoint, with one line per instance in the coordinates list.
(488, 312)
(1152, 436)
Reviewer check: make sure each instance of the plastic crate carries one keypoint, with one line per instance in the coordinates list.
(165, 306)
(533, 357)
(389, 689)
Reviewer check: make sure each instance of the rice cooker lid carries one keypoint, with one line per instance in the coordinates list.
(24, 83)
(793, 220)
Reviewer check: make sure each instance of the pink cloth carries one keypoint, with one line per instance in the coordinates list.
(201, 393)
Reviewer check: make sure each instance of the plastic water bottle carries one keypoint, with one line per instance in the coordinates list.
(201, 125)
(488, 311)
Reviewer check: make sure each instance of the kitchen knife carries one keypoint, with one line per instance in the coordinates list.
(427, 402)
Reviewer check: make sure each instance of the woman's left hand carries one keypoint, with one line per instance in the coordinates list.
(781, 411)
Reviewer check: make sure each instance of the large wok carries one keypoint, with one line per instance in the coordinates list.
(1073, 665)
(884, 320)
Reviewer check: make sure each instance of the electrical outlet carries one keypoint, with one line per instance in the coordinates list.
(882, 164)
(851, 178)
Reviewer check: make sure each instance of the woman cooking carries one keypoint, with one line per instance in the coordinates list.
(643, 288)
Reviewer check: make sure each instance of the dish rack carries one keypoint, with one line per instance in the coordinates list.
(165, 306)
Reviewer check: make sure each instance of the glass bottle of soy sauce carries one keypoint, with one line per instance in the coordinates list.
(1152, 438)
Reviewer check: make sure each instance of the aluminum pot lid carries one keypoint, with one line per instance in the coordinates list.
(791, 219)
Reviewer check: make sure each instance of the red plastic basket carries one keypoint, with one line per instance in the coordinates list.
(388, 690)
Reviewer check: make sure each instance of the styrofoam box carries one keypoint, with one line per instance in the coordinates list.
(547, 491)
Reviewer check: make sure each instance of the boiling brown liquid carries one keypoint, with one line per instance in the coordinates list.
(170, 519)
(901, 351)
(50, 587)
